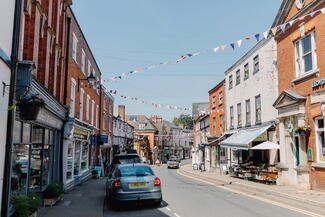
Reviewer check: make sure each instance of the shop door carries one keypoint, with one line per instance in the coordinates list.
(297, 145)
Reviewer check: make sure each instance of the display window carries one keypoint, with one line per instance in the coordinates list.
(320, 139)
(69, 172)
(77, 155)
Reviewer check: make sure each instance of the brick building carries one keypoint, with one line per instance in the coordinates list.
(301, 100)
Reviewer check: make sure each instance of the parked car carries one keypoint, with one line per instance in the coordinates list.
(172, 163)
(175, 158)
(133, 182)
(124, 159)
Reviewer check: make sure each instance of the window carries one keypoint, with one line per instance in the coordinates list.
(214, 101)
(306, 55)
(72, 98)
(239, 116)
(84, 156)
(87, 107)
(83, 61)
(221, 123)
(258, 109)
(231, 117)
(214, 124)
(220, 98)
(246, 71)
(89, 68)
(248, 112)
(104, 121)
(81, 111)
(142, 126)
(256, 64)
(230, 82)
(74, 47)
(92, 112)
(320, 140)
(238, 77)
(97, 113)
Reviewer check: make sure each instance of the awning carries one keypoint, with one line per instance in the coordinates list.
(242, 139)
(216, 141)
(266, 146)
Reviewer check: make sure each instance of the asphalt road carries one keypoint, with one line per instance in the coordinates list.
(184, 197)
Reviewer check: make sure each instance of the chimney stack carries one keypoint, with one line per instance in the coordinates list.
(157, 119)
(121, 112)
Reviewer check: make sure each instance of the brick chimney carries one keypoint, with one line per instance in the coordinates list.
(121, 112)
(156, 119)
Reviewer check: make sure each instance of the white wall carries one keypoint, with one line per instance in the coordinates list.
(264, 82)
(6, 30)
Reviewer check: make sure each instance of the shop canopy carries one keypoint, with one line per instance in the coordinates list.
(266, 146)
(241, 139)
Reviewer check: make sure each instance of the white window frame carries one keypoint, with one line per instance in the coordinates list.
(83, 61)
(231, 112)
(81, 103)
(248, 112)
(104, 120)
(256, 109)
(238, 77)
(256, 61)
(74, 47)
(89, 68)
(318, 147)
(87, 107)
(73, 98)
(92, 112)
(239, 115)
(214, 101)
(246, 71)
(220, 98)
(300, 65)
(231, 82)
(97, 114)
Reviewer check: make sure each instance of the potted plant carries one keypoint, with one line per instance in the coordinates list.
(304, 130)
(94, 174)
(52, 193)
(29, 106)
(26, 205)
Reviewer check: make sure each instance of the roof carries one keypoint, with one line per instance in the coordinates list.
(293, 96)
(135, 120)
(217, 86)
(199, 108)
(169, 124)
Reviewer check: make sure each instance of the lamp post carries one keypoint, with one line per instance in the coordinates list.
(91, 78)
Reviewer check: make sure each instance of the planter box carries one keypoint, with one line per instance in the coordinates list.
(51, 202)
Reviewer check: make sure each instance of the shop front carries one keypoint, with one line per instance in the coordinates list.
(252, 154)
(76, 153)
(37, 147)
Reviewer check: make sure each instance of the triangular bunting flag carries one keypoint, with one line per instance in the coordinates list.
(189, 55)
(239, 42)
(283, 27)
(114, 92)
(257, 36)
(215, 49)
(302, 18)
(322, 10)
(274, 30)
(248, 38)
(183, 57)
(223, 47)
(313, 13)
(266, 33)
(291, 22)
(233, 46)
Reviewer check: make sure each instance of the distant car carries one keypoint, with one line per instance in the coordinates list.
(126, 159)
(175, 157)
(133, 182)
(172, 163)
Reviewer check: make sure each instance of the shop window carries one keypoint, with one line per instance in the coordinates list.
(320, 140)
(84, 156)
(306, 55)
(256, 64)
(17, 132)
(20, 169)
(69, 173)
(77, 155)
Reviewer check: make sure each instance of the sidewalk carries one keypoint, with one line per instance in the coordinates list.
(308, 196)
(84, 201)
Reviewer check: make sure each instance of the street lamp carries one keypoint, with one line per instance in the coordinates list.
(91, 78)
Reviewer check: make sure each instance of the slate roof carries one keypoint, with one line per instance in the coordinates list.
(199, 109)
(135, 120)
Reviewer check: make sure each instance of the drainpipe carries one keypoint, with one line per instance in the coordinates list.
(65, 93)
(11, 113)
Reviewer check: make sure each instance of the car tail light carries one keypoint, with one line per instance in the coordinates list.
(117, 184)
(157, 182)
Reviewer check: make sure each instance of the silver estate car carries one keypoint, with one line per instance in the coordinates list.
(133, 182)
(173, 163)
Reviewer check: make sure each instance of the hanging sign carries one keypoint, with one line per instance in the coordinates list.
(102, 138)
(80, 134)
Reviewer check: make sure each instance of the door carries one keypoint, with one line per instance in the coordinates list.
(297, 145)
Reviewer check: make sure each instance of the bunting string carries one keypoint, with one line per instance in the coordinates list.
(233, 45)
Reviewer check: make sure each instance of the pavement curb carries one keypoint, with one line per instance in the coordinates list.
(272, 192)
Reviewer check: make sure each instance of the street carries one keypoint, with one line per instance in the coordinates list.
(184, 197)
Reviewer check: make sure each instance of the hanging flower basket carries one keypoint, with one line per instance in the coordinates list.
(305, 130)
(29, 106)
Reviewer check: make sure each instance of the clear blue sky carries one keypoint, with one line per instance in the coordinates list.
(127, 34)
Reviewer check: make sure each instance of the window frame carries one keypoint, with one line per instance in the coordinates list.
(81, 103)
(231, 112)
(318, 144)
(248, 112)
(83, 61)
(230, 82)
(220, 98)
(72, 110)
(87, 107)
(246, 71)
(256, 61)
(258, 110)
(239, 116)
(238, 77)
(214, 101)
(74, 47)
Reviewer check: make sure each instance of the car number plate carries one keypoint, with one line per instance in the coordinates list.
(138, 185)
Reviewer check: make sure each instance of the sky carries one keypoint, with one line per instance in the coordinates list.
(127, 34)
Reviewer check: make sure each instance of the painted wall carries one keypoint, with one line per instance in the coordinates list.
(263, 82)
(7, 8)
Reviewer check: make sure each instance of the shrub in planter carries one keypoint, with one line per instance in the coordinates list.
(53, 190)
(26, 205)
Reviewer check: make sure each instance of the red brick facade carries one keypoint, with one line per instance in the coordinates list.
(217, 109)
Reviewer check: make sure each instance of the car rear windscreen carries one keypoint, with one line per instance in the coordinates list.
(126, 160)
(135, 171)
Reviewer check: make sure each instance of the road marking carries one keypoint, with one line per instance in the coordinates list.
(176, 214)
(168, 209)
(254, 197)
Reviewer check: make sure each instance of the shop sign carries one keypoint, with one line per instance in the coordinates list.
(102, 138)
(318, 83)
(79, 134)
(46, 118)
(310, 154)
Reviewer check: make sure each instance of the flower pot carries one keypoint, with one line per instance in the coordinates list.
(29, 111)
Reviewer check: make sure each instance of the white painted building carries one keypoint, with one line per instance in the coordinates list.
(122, 133)
(251, 88)
(7, 8)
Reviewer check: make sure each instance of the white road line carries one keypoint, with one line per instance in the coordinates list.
(168, 209)
(254, 197)
(176, 214)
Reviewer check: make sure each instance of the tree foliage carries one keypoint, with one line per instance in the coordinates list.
(184, 121)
